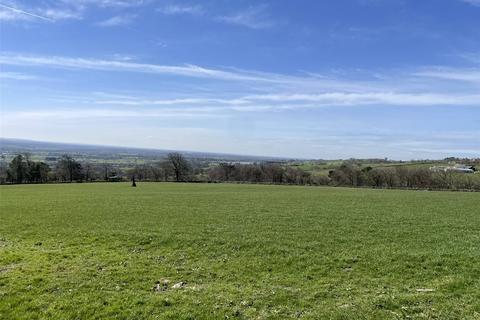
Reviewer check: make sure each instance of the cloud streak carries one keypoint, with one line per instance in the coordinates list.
(113, 65)
(195, 10)
(472, 2)
(62, 10)
(69, 114)
(423, 77)
(254, 17)
(286, 82)
(117, 21)
(466, 75)
(17, 76)
(18, 14)
(296, 101)
(107, 3)
(279, 91)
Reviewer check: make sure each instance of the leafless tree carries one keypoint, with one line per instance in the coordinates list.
(180, 166)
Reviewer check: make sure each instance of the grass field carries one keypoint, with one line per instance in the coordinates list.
(97, 251)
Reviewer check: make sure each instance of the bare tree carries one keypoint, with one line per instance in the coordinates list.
(88, 170)
(69, 168)
(107, 168)
(166, 169)
(226, 170)
(180, 166)
(156, 172)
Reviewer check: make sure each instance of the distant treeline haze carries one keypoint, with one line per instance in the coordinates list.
(178, 169)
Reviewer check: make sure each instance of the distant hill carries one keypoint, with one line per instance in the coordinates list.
(11, 146)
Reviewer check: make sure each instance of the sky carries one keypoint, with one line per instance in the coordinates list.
(292, 78)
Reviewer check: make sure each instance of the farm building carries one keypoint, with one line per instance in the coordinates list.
(460, 168)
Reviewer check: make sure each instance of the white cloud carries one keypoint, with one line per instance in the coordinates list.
(106, 3)
(287, 81)
(254, 17)
(374, 98)
(431, 86)
(61, 10)
(16, 76)
(472, 2)
(117, 21)
(61, 14)
(458, 74)
(179, 101)
(181, 9)
(266, 102)
(113, 65)
(10, 13)
(15, 12)
(123, 57)
(69, 114)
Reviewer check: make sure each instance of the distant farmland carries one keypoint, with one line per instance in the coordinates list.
(216, 251)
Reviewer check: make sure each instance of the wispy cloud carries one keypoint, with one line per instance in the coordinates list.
(182, 9)
(255, 17)
(305, 101)
(458, 74)
(62, 10)
(472, 2)
(169, 102)
(66, 114)
(56, 14)
(282, 92)
(117, 21)
(125, 66)
(119, 4)
(471, 57)
(15, 12)
(17, 76)
(123, 57)
(289, 82)
(374, 98)
(10, 13)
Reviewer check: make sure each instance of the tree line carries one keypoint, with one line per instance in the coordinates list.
(349, 174)
(22, 169)
(405, 177)
(175, 167)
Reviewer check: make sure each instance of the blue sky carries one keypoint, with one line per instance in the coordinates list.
(312, 79)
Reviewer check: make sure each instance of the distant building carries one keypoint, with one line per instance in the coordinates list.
(114, 179)
(460, 168)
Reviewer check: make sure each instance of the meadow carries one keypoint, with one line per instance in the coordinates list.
(217, 251)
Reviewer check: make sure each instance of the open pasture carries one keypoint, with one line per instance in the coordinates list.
(216, 251)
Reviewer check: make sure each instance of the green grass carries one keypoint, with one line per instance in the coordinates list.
(95, 251)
